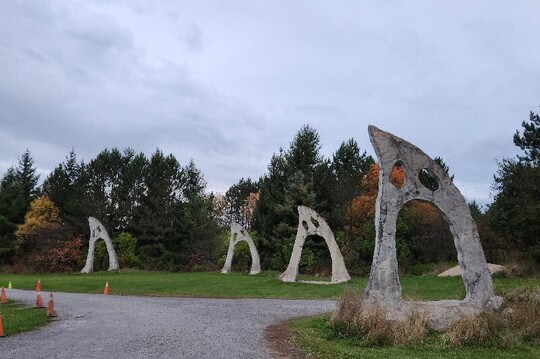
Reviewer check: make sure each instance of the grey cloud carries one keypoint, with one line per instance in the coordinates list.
(229, 83)
(193, 37)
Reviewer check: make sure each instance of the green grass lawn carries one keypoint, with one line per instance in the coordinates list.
(314, 335)
(235, 285)
(19, 318)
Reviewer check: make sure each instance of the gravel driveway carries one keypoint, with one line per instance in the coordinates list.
(98, 326)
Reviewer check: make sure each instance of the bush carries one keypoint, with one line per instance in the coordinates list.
(124, 245)
(241, 258)
(516, 324)
(67, 258)
(368, 322)
(474, 330)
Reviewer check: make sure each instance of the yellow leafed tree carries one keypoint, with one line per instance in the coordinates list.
(43, 214)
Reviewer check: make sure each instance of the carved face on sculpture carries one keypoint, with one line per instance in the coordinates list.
(423, 179)
(96, 233)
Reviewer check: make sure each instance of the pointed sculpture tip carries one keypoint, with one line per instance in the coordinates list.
(374, 129)
(374, 133)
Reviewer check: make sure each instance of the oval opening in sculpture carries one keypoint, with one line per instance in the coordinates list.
(423, 237)
(397, 175)
(315, 260)
(428, 179)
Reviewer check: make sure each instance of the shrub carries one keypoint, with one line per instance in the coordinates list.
(515, 325)
(67, 258)
(124, 245)
(473, 330)
(369, 322)
(241, 258)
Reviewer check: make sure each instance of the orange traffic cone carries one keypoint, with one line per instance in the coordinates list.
(50, 307)
(38, 286)
(1, 327)
(3, 296)
(107, 291)
(39, 301)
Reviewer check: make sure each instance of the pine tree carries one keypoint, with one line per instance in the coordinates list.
(529, 142)
(157, 226)
(236, 197)
(27, 178)
(17, 189)
(349, 166)
(303, 154)
(515, 212)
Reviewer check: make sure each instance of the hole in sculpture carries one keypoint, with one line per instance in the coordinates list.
(242, 231)
(305, 225)
(424, 245)
(315, 222)
(101, 256)
(242, 258)
(315, 261)
(235, 236)
(428, 179)
(397, 175)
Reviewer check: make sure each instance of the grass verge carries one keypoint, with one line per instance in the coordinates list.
(315, 336)
(19, 318)
(236, 285)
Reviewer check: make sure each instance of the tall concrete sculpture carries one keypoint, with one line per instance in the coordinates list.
(309, 224)
(97, 231)
(424, 180)
(239, 234)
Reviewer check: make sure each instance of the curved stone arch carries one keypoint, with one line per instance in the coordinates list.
(239, 234)
(383, 284)
(98, 231)
(309, 224)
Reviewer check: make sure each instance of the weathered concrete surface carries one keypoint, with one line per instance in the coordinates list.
(239, 234)
(309, 224)
(456, 271)
(124, 327)
(383, 286)
(97, 231)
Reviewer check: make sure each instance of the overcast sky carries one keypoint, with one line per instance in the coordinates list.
(229, 82)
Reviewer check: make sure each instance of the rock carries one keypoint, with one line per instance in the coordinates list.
(456, 271)
(508, 311)
(309, 224)
(239, 234)
(494, 303)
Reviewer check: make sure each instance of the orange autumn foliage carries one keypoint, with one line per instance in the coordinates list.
(250, 204)
(397, 176)
(362, 208)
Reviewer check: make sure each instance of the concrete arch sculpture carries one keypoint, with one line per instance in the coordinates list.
(97, 231)
(383, 286)
(239, 234)
(310, 223)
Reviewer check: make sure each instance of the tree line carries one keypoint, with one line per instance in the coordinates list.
(162, 217)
